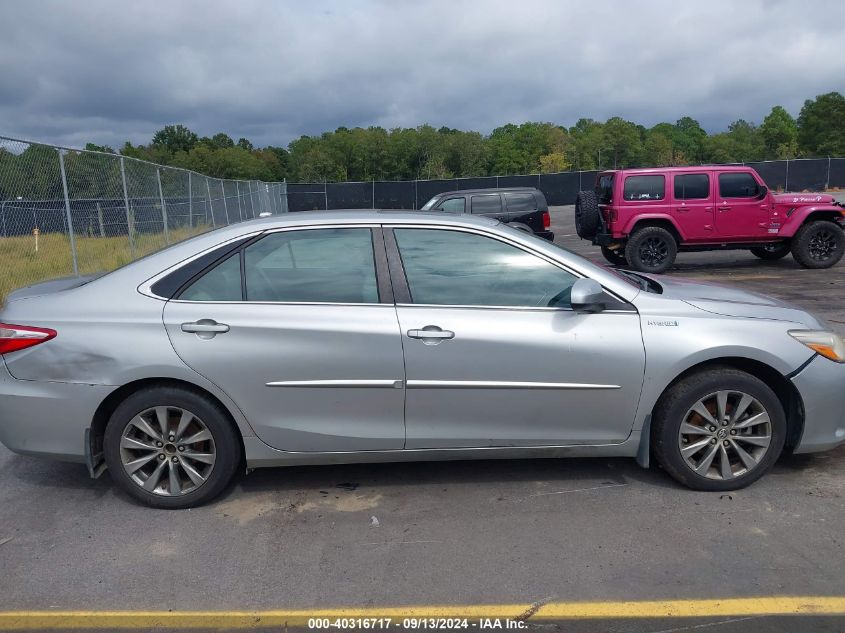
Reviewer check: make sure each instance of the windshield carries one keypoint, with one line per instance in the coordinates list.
(428, 205)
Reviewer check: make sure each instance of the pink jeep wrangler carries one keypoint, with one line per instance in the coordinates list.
(641, 218)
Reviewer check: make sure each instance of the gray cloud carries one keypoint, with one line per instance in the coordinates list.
(107, 71)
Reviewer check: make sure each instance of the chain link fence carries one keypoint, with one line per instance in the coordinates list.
(75, 212)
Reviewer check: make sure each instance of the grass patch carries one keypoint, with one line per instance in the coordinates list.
(21, 266)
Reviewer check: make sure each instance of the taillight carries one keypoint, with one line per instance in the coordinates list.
(17, 337)
(611, 215)
(547, 220)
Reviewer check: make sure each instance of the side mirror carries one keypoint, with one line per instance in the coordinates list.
(587, 296)
(762, 191)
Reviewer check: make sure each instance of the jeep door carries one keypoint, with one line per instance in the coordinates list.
(494, 354)
(692, 205)
(741, 212)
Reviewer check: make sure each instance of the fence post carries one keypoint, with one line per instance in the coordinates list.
(190, 203)
(225, 206)
(130, 220)
(211, 206)
(68, 215)
(827, 182)
(374, 193)
(163, 207)
(786, 181)
(100, 220)
(3, 215)
(238, 189)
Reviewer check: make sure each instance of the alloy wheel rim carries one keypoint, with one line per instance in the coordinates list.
(653, 251)
(822, 245)
(725, 435)
(168, 451)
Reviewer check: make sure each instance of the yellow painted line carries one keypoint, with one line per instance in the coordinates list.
(762, 606)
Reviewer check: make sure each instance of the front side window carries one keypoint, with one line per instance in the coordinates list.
(692, 187)
(520, 202)
(456, 268)
(317, 265)
(487, 204)
(738, 185)
(644, 188)
(453, 205)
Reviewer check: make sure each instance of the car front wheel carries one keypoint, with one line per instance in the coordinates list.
(720, 429)
(170, 447)
(818, 244)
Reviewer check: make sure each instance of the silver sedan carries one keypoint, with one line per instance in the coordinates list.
(355, 336)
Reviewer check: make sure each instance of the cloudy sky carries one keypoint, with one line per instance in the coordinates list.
(110, 70)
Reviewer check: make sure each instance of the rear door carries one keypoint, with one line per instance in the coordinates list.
(741, 212)
(488, 204)
(300, 330)
(692, 205)
(524, 208)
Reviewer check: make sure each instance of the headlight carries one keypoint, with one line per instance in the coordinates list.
(827, 344)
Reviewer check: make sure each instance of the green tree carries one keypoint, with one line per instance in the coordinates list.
(821, 126)
(780, 134)
(175, 138)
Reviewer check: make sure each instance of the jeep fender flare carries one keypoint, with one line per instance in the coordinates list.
(801, 214)
(651, 219)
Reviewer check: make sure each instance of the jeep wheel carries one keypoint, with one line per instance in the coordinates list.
(651, 250)
(615, 257)
(587, 218)
(818, 244)
(771, 252)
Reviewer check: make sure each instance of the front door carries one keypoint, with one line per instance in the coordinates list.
(300, 341)
(494, 355)
(741, 213)
(692, 206)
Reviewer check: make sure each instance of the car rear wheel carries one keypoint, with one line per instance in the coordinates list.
(771, 252)
(587, 215)
(614, 256)
(818, 244)
(651, 249)
(720, 429)
(170, 447)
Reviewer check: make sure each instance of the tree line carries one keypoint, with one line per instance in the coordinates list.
(425, 152)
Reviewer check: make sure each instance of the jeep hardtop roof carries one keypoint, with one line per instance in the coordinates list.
(660, 170)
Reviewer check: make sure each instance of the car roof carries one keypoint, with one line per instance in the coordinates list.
(489, 190)
(365, 216)
(661, 170)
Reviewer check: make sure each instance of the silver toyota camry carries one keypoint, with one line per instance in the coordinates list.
(364, 336)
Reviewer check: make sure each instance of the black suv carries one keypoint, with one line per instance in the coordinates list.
(521, 207)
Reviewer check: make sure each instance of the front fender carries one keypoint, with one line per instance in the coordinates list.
(794, 221)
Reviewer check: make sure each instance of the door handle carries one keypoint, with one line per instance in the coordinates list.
(431, 333)
(205, 328)
(724, 209)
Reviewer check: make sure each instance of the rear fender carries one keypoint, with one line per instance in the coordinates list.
(648, 219)
(801, 215)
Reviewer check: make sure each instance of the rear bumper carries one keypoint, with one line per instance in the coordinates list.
(546, 235)
(47, 419)
(822, 388)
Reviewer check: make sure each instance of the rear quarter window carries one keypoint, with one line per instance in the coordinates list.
(520, 202)
(644, 188)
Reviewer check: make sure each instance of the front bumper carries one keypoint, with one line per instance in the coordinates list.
(822, 387)
(47, 419)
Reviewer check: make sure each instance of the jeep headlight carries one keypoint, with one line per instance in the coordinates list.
(827, 344)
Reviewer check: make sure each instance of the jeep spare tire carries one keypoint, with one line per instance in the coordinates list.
(587, 219)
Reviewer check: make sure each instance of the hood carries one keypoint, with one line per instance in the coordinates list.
(49, 287)
(802, 199)
(734, 302)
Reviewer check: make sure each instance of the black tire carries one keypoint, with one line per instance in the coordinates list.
(587, 215)
(225, 442)
(676, 404)
(771, 252)
(818, 244)
(651, 249)
(615, 257)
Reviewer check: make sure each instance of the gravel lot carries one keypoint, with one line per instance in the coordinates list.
(447, 533)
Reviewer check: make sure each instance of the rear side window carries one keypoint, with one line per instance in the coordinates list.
(692, 187)
(487, 204)
(738, 185)
(317, 265)
(452, 205)
(520, 202)
(645, 188)
(604, 189)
